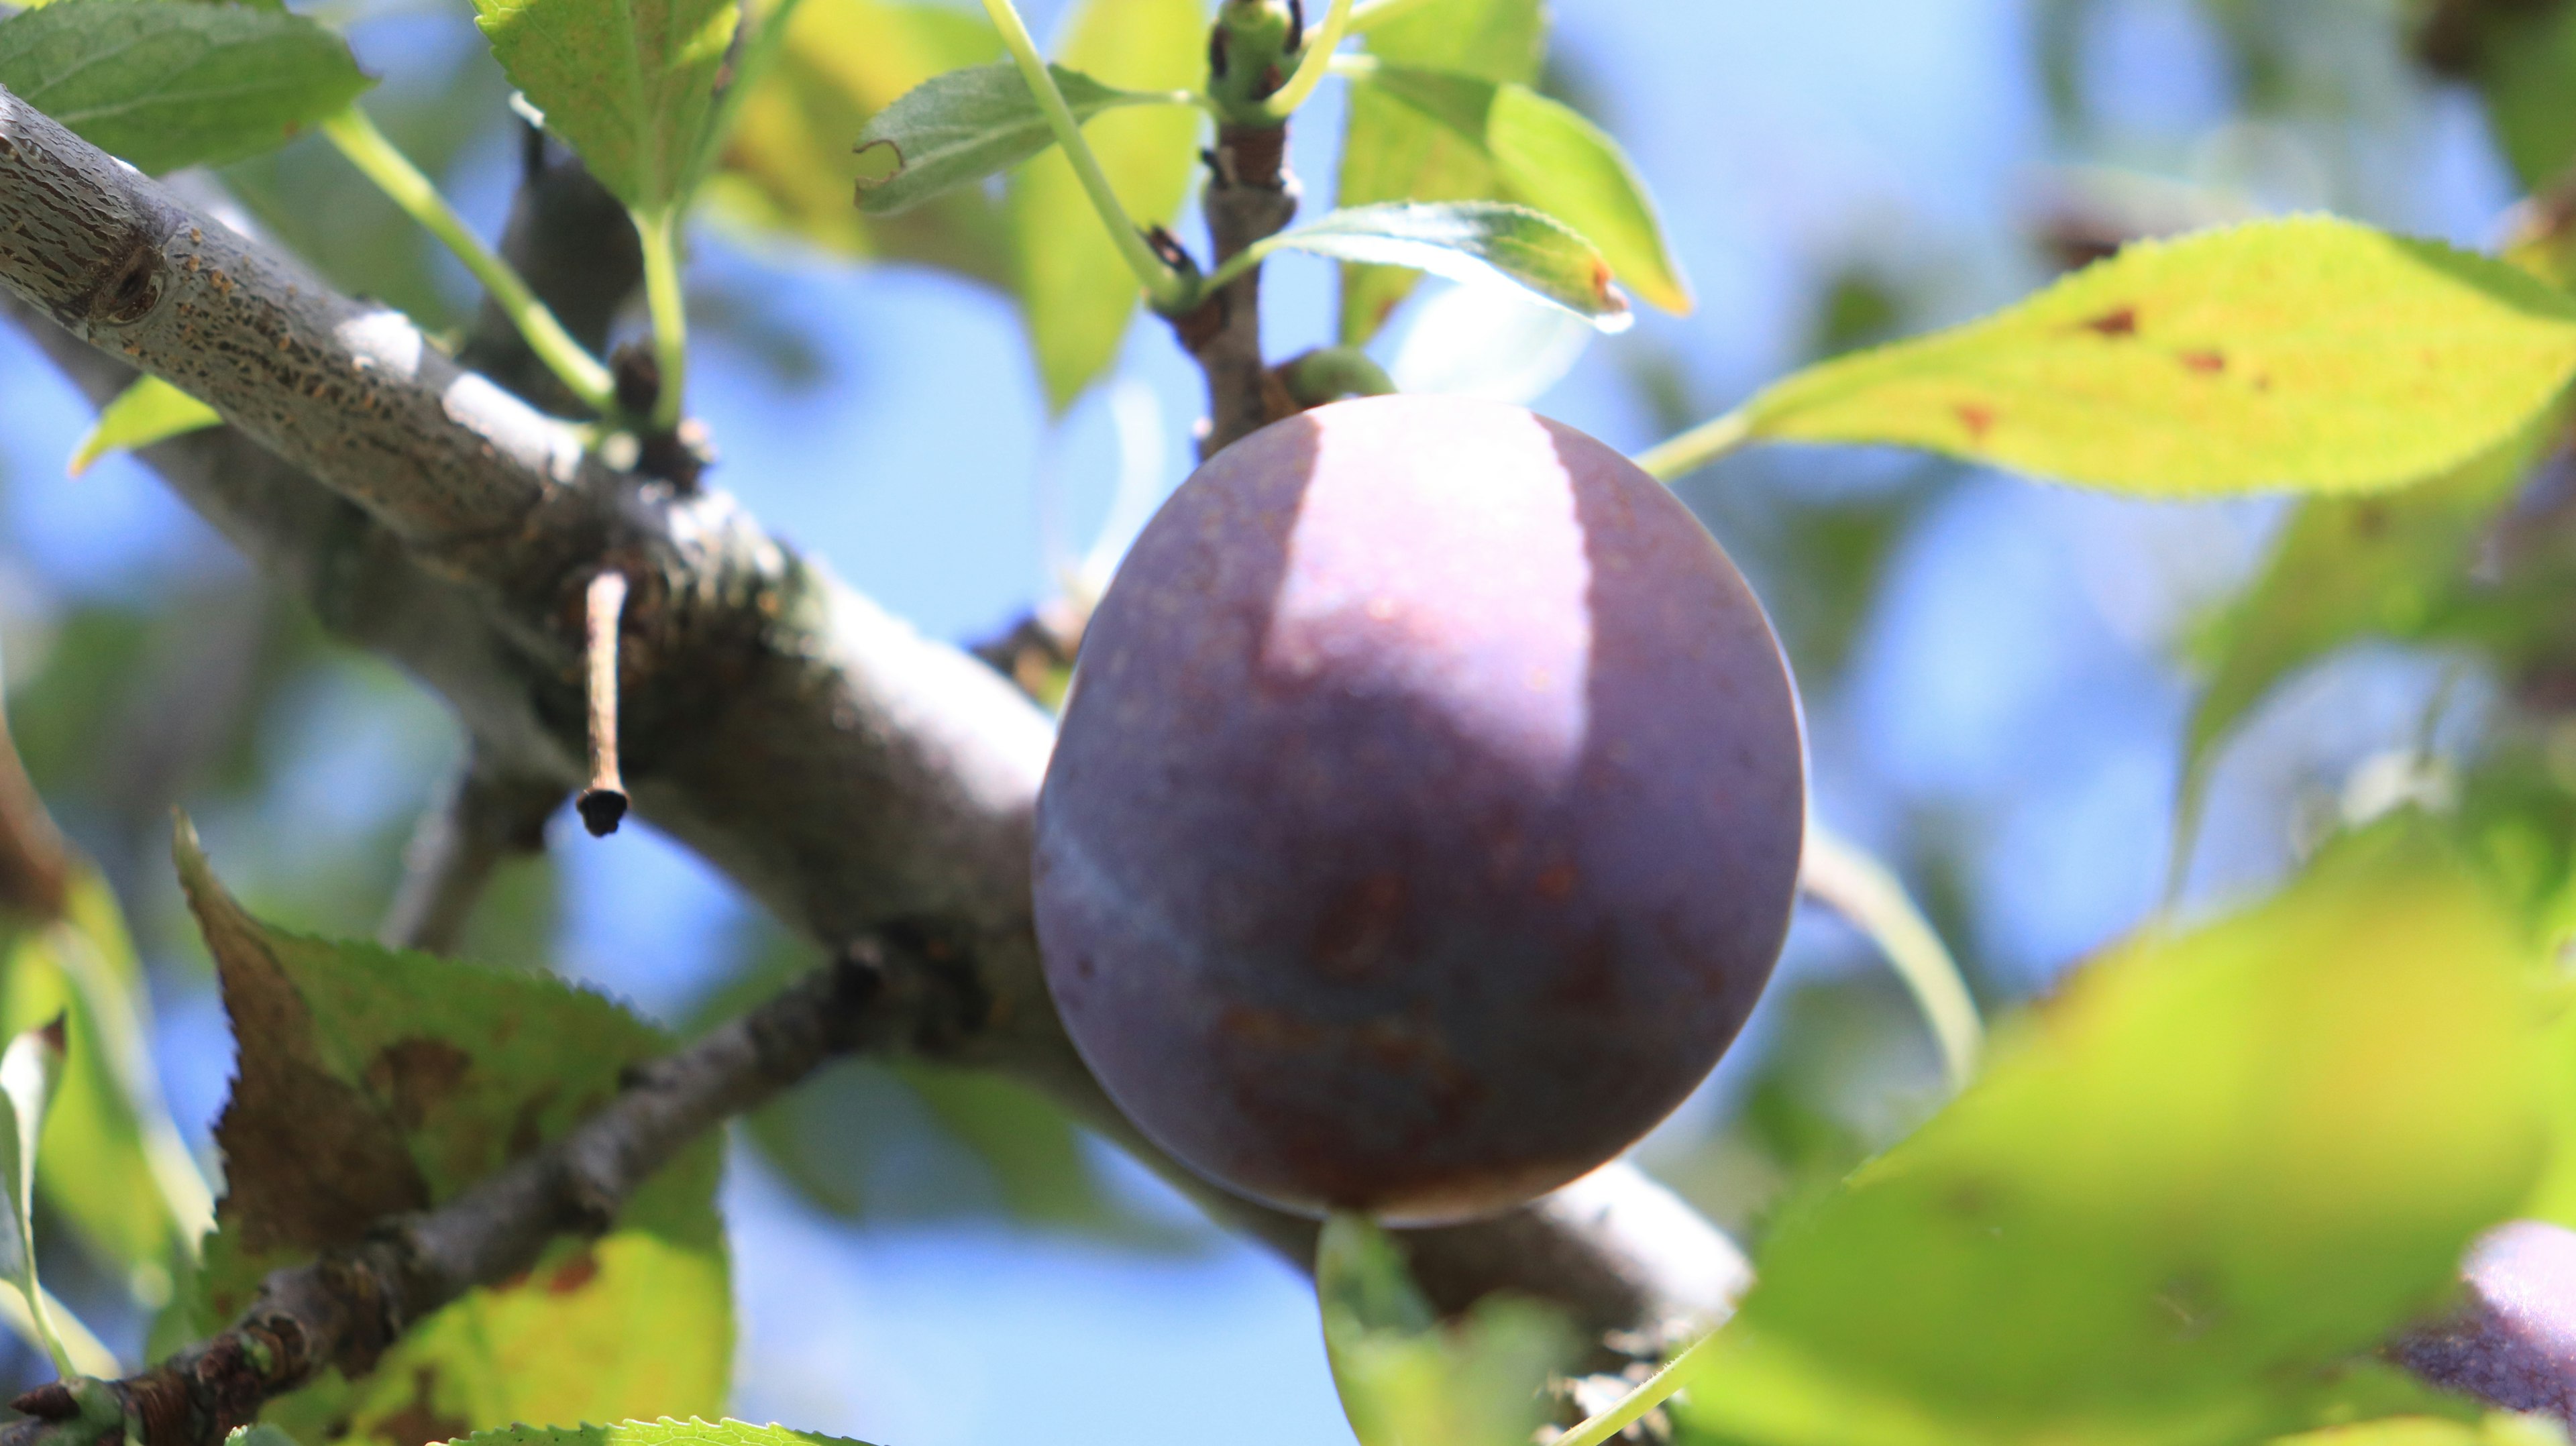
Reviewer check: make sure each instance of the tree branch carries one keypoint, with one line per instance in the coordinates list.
(346, 1307)
(1250, 196)
(487, 816)
(859, 780)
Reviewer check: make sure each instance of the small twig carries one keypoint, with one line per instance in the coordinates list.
(603, 803)
(490, 815)
(346, 1307)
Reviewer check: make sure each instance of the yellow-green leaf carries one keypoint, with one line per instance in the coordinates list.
(1472, 241)
(789, 166)
(1549, 157)
(2308, 353)
(1076, 293)
(658, 1433)
(629, 83)
(372, 1081)
(149, 411)
(1393, 152)
(2184, 1193)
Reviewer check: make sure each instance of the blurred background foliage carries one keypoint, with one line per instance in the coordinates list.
(2009, 689)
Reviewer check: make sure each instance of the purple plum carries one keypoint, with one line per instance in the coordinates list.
(1426, 814)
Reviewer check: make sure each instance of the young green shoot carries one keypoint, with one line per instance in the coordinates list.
(1671, 461)
(1311, 65)
(659, 232)
(1858, 887)
(1170, 292)
(394, 174)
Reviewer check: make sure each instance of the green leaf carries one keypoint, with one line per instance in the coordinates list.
(1473, 241)
(2345, 568)
(371, 1082)
(959, 128)
(168, 83)
(1406, 1379)
(658, 1433)
(1548, 157)
(1076, 293)
(788, 165)
(115, 1167)
(2308, 353)
(2183, 1194)
(630, 84)
(149, 411)
(1393, 152)
(29, 1070)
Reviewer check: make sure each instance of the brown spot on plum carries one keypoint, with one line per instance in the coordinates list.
(2121, 322)
(1556, 882)
(1362, 931)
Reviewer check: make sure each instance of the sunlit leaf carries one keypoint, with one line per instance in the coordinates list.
(1547, 156)
(2308, 353)
(788, 164)
(1076, 292)
(2183, 1194)
(1405, 1378)
(149, 411)
(629, 83)
(371, 1082)
(169, 83)
(29, 1070)
(1473, 241)
(1393, 152)
(959, 128)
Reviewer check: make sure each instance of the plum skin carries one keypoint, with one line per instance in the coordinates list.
(1425, 817)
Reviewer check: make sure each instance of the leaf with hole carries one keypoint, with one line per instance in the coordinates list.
(1481, 241)
(2307, 354)
(170, 83)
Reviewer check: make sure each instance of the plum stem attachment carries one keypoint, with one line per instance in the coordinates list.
(1671, 461)
(1312, 62)
(379, 161)
(1165, 286)
(603, 803)
(1851, 883)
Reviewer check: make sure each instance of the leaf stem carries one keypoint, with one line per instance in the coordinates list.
(1169, 290)
(1650, 1393)
(87, 1355)
(1671, 461)
(1858, 887)
(395, 175)
(659, 231)
(1311, 65)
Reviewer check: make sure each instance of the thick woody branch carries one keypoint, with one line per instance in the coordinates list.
(345, 1308)
(861, 781)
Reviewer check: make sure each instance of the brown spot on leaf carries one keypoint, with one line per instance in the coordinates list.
(310, 1161)
(415, 1075)
(1979, 420)
(419, 1422)
(2207, 363)
(573, 1274)
(2123, 322)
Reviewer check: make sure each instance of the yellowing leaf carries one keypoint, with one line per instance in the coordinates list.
(1393, 152)
(149, 411)
(2183, 1194)
(789, 164)
(371, 1082)
(1076, 292)
(2309, 353)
